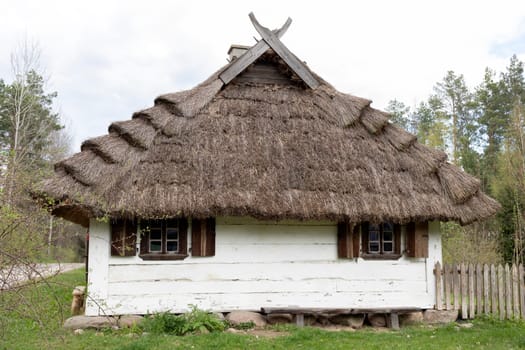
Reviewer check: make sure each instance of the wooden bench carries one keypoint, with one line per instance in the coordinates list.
(392, 313)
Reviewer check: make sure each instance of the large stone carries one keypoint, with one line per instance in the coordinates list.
(355, 321)
(238, 317)
(128, 321)
(96, 322)
(440, 316)
(279, 318)
(377, 320)
(411, 318)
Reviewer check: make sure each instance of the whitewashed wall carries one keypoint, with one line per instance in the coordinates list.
(258, 264)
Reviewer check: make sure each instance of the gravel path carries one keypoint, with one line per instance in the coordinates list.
(19, 274)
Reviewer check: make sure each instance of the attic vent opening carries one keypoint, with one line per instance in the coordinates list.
(237, 51)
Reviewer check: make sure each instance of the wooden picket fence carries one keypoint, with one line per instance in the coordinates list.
(481, 289)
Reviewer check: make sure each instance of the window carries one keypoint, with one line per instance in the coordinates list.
(381, 240)
(163, 236)
(163, 239)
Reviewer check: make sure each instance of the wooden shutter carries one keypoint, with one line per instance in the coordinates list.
(347, 240)
(397, 239)
(364, 237)
(183, 236)
(203, 237)
(417, 240)
(123, 237)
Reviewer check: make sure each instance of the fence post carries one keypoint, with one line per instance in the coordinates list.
(501, 291)
(439, 302)
(493, 290)
(479, 290)
(508, 292)
(456, 283)
(522, 290)
(471, 306)
(447, 281)
(515, 292)
(464, 291)
(486, 290)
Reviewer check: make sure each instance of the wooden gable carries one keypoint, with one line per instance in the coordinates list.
(270, 39)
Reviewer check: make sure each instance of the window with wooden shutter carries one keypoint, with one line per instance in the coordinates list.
(123, 237)
(417, 240)
(347, 240)
(203, 237)
(380, 241)
(164, 239)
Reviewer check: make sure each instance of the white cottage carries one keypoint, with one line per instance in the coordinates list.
(262, 187)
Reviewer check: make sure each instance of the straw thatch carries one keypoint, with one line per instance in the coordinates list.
(272, 151)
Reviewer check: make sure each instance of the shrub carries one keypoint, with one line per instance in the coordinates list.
(195, 321)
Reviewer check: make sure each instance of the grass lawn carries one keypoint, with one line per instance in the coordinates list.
(19, 330)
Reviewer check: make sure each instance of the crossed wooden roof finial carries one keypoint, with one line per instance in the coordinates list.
(270, 39)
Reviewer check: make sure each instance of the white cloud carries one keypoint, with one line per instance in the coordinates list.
(110, 58)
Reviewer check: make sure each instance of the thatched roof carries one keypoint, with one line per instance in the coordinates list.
(270, 148)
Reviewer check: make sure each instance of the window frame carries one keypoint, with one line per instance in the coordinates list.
(164, 225)
(382, 254)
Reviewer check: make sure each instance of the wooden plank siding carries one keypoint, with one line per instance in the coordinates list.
(266, 264)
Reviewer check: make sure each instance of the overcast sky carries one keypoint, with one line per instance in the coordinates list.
(107, 59)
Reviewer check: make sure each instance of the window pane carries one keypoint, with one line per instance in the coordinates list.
(172, 233)
(155, 233)
(172, 246)
(387, 226)
(154, 246)
(387, 236)
(387, 247)
(373, 236)
(373, 247)
(373, 227)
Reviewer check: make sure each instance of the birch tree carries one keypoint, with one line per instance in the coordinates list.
(26, 117)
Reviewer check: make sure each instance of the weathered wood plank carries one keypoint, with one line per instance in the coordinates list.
(464, 291)
(479, 290)
(297, 66)
(178, 302)
(342, 272)
(439, 277)
(508, 292)
(262, 286)
(501, 291)
(493, 290)
(337, 311)
(448, 290)
(393, 320)
(471, 291)
(456, 286)
(486, 289)
(521, 282)
(299, 320)
(515, 292)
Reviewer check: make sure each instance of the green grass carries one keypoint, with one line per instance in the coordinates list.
(18, 330)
